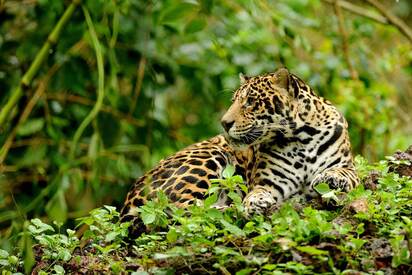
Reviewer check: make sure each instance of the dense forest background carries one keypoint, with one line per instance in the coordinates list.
(95, 92)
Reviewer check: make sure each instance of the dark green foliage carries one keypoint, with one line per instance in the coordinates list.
(370, 231)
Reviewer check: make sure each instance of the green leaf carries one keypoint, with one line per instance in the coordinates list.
(214, 214)
(111, 236)
(176, 12)
(209, 201)
(195, 25)
(322, 188)
(58, 269)
(56, 208)
(30, 127)
(245, 271)
(26, 245)
(34, 155)
(148, 218)
(228, 172)
(172, 235)
(233, 228)
(4, 254)
(311, 250)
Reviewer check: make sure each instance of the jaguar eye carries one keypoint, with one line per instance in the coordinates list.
(249, 102)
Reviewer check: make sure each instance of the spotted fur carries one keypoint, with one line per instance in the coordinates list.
(281, 137)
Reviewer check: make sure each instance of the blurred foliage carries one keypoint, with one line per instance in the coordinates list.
(169, 70)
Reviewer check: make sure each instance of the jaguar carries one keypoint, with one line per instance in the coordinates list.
(281, 137)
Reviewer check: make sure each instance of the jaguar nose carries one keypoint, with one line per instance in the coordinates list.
(227, 124)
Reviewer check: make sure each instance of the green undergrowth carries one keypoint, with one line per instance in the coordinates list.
(366, 231)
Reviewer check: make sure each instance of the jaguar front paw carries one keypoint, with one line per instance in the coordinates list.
(258, 202)
(335, 181)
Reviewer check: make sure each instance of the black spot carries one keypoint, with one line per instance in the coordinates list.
(183, 200)
(169, 183)
(221, 161)
(298, 165)
(198, 195)
(311, 160)
(157, 183)
(182, 170)
(125, 210)
(187, 191)
(179, 186)
(211, 165)
(240, 171)
(307, 129)
(173, 164)
(198, 171)
(173, 196)
(190, 179)
(262, 165)
(306, 140)
(168, 191)
(127, 218)
(195, 162)
(138, 202)
(202, 184)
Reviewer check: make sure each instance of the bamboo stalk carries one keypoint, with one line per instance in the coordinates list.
(37, 62)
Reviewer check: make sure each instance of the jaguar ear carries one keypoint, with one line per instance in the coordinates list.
(243, 78)
(284, 79)
(281, 78)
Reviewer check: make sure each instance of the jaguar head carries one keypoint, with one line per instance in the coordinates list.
(261, 106)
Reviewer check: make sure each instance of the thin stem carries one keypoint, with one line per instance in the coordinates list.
(100, 88)
(345, 44)
(37, 62)
(359, 11)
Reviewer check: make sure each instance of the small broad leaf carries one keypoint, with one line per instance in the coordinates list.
(172, 235)
(311, 250)
(4, 254)
(322, 188)
(228, 172)
(111, 236)
(233, 228)
(58, 269)
(237, 179)
(195, 25)
(209, 201)
(148, 218)
(214, 214)
(30, 127)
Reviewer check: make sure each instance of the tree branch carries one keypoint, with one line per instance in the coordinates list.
(359, 11)
(392, 19)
